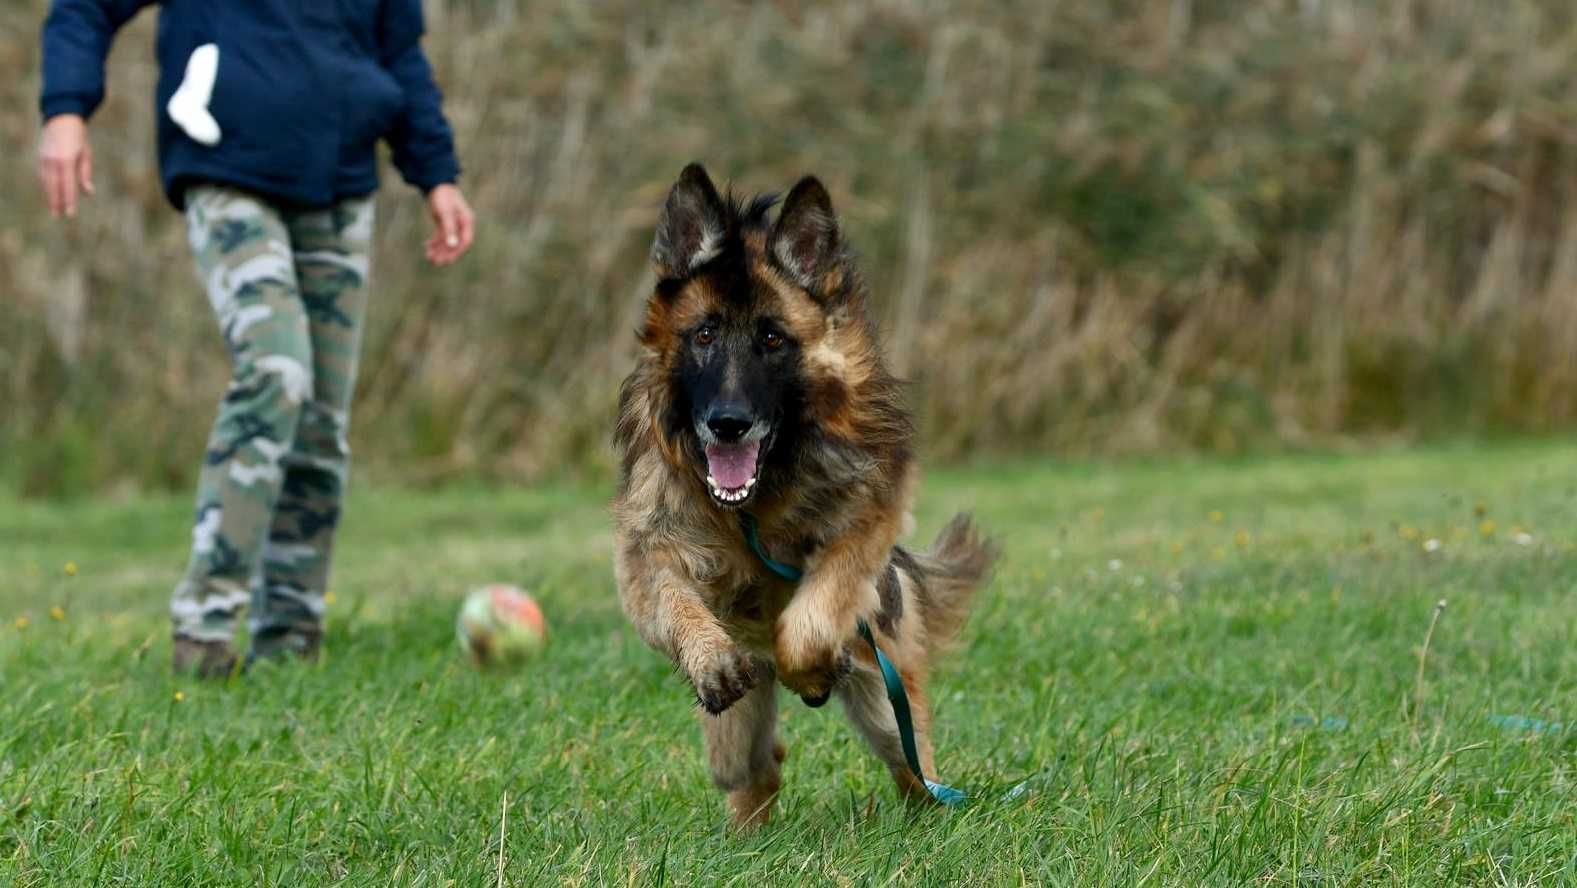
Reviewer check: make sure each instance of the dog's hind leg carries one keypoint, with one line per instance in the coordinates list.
(743, 753)
(864, 697)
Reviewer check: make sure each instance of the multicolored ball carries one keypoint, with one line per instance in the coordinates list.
(500, 625)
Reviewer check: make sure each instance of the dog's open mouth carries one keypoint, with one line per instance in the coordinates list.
(731, 470)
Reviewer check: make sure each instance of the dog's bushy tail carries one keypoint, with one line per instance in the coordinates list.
(952, 570)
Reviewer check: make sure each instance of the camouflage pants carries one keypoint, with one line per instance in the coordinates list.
(288, 288)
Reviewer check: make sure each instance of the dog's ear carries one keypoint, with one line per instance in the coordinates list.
(690, 231)
(805, 238)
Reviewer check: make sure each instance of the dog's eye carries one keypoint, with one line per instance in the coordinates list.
(705, 336)
(772, 339)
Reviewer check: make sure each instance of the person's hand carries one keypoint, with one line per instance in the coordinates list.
(452, 225)
(65, 161)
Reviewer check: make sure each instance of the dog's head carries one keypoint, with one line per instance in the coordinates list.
(757, 325)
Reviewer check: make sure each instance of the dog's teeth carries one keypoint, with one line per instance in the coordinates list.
(730, 495)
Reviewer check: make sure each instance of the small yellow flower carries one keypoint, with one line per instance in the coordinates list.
(56, 612)
(1487, 527)
(71, 568)
(1408, 532)
(21, 622)
(1216, 517)
(1177, 548)
(1241, 538)
(328, 597)
(179, 696)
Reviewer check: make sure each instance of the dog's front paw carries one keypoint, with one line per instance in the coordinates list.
(814, 685)
(809, 661)
(725, 677)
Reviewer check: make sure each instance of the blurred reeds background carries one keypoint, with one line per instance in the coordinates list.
(1088, 226)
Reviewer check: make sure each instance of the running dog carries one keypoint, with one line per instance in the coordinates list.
(761, 399)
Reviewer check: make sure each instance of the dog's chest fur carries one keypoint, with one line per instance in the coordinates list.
(708, 543)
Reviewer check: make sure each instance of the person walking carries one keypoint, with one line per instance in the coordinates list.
(270, 112)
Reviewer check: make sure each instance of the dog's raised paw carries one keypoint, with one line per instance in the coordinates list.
(818, 701)
(814, 685)
(728, 677)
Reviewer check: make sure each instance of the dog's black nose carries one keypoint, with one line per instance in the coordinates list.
(729, 424)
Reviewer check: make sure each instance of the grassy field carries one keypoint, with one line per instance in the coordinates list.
(1209, 670)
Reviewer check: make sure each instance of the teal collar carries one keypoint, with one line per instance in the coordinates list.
(896, 695)
(788, 572)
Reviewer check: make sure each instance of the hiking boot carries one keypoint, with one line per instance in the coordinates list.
(205, 659)
(300, 642)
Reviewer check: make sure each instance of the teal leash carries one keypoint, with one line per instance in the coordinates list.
(788, 572)
(896, 695)
(943, 793)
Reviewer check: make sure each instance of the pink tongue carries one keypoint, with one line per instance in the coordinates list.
(731, 465)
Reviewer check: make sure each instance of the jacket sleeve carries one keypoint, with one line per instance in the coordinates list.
(77, 35)
(421, 140)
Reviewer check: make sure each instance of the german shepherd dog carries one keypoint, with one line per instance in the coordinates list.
(761, 390)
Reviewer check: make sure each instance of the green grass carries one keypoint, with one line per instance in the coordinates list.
(1209, 668)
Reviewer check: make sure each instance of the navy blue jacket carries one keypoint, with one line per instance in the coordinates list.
(305, 90)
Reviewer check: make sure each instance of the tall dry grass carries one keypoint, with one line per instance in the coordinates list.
(1089, 226)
